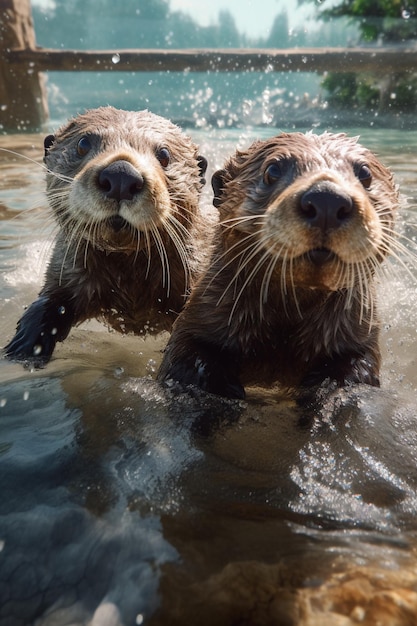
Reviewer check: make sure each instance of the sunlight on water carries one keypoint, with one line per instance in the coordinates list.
(120, 506)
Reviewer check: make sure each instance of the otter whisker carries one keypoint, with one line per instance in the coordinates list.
(62, 177)
(406, 243)
(293, 288)
(91, 237)
(236, 221)
(239, 246)
(233, 258)
(266, 280)
(81, 238)
(179, 236)
(343, 275)
(248, 280)
(366, 298)
(394, 250)
(184, 249)
(63, 262)
(181, 250)
(283, 282)
(166, 279)
(138, 234)
(148, 246)
(38, 163)
(400, 238)
(245, 259)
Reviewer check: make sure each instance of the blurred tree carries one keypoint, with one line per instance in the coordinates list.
(279, 35)
(128, 24)
(228, 35)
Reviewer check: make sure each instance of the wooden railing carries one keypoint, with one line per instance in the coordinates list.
(382, 61)
(23, 103)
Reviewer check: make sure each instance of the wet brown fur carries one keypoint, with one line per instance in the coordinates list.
(136, 277)
(264, 312)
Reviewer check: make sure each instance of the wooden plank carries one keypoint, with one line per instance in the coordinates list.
(376, 60)
(22, 93)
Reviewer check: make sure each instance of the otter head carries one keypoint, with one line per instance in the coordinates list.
(317, 211)
(123, 180)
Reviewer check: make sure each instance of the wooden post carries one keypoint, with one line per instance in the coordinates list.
(23, 101)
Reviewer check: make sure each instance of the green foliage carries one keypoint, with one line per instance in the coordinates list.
(387, 22)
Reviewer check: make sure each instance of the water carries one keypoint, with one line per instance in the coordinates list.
(119, 506)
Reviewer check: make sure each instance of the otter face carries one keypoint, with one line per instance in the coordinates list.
(317, 210)
(121, 180)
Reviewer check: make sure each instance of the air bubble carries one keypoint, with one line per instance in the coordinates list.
(115, 58)
(61, 310)
(26, 396)
(405, 14)
(37, 350)
(3, 402)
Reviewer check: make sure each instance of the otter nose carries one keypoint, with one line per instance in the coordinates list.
(120, 181)
(326, 207)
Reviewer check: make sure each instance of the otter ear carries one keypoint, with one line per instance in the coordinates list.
(202, 164)
(48, 141)
(217, 182)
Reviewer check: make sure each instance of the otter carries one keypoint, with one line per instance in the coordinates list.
(124, 189)
(288, 297)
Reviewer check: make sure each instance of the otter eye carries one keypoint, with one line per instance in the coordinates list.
(365, 176)
(83, 146)
(163, 157)
(272, 173)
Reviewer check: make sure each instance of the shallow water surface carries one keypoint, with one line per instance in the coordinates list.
(120, 506)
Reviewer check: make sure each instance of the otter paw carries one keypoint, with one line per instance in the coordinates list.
(37, 332)
(208, 377)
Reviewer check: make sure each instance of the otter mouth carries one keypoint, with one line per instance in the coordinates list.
(320, 256)
(118, 223)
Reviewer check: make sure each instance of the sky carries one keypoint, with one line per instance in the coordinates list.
(253, 17)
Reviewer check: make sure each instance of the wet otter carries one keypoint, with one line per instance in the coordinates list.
(124, 188)
(289, 294)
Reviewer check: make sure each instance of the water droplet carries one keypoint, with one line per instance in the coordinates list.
(26, 396)
(151, 366)
(118, 372)
(54, 331)
(37, 350)
(3, 402)
(405, 14)
(139, 619)
(115, 58)
(61, 310)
